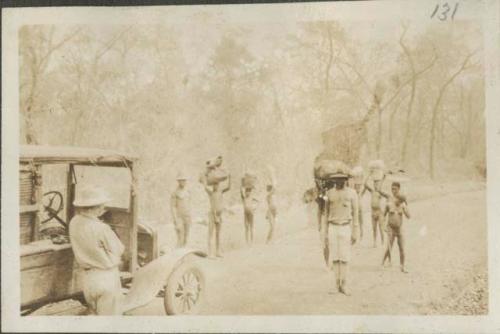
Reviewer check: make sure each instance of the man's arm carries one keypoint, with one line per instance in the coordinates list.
(406, 211)
(228, 184)
(112, 244)
(384, 194)
(208, 188)
(363, 191)
(367, 187)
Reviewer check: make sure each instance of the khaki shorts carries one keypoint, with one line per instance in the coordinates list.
(102, 291)
(340, 242)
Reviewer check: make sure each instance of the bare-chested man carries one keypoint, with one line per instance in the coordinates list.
(271, 211)
(249, 206)
(395, 209)
(376, 205)
(215, 195)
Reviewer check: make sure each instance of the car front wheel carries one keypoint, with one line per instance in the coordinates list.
(185, 290)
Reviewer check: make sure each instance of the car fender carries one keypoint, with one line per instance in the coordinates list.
(147, 281)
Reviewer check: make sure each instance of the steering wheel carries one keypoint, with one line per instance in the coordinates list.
(53, 204)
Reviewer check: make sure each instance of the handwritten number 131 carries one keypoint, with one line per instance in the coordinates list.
(442, 11)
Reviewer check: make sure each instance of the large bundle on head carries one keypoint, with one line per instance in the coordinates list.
(377, 169)
(249, 180)
(357, 175)
(325, 169)
(213, 175)
(216, 175)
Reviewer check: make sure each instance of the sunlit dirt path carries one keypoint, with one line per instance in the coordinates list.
(446, 243)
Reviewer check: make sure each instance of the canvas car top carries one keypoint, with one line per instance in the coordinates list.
(71, 154)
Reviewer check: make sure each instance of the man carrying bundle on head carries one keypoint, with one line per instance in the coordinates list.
(377, 175)
(341, 224)
(212, 180)
(358, 185)
(250, 201)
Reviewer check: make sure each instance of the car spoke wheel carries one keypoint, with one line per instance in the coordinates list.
(185, 290)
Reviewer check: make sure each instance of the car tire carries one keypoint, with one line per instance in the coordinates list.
(185, 289)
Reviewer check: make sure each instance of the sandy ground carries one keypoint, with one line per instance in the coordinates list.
(446, 259)
(446, 256)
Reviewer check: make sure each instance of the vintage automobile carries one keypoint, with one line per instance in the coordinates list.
(49, 178)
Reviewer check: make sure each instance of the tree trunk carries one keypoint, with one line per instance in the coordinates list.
(435, 111)
(407, 134)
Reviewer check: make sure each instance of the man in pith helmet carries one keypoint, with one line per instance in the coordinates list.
(97, 251)
(180, 205)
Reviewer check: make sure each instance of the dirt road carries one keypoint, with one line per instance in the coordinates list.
(446, 249)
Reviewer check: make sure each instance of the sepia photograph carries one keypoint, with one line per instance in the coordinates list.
(249, 160)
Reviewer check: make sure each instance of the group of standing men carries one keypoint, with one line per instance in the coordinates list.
(216, 182)
(341, 219)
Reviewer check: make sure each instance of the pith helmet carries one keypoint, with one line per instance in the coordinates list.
(91, 196)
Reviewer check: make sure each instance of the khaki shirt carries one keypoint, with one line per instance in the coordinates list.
(94, 243)
(181, 202)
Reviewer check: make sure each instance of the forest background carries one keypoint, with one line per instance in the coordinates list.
(259, 94)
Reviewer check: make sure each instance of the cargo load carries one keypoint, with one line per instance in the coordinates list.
(249, 180)
(217, 175)
(377, 169)
(324, 169)
(357, 175)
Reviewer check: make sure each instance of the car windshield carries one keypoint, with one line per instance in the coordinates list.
(116, 181)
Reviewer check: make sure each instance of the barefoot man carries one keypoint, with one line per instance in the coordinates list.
(249, 206)
(271, 211)
(395, 209)
(376, 205)
(343, 226)
(215, 194)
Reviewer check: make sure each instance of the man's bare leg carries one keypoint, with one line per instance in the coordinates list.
(218, 227)
(336, 271)
(271, 228)
(211, 233)
(187, 227)
(180, 234)
(388, 248)
(250, 223)
(381, 229)
(374, 229)
(401, 246)
(344, 267)
(211, 228)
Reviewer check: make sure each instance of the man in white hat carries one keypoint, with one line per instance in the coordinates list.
(358, 185)
(342, 226)
(180, 206)
(97, 252)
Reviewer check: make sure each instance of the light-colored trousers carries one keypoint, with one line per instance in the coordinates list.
(102, 290)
